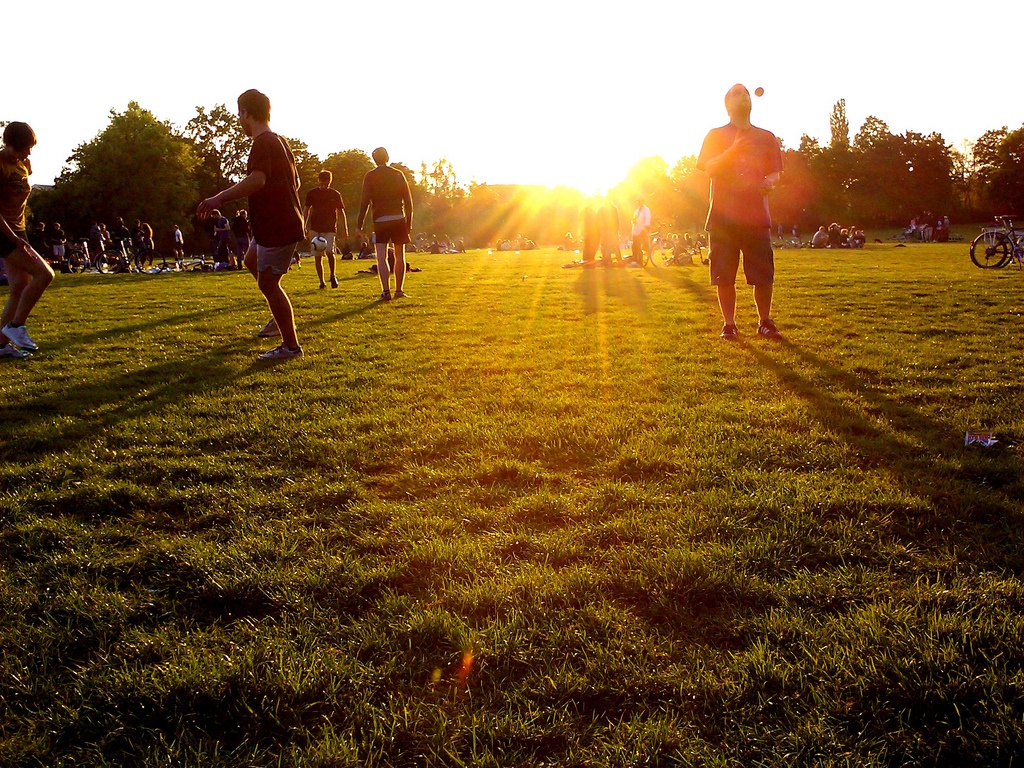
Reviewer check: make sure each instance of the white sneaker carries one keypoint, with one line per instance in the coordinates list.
(281, 353)
(9, 350)
(19, 337)
(270, 330)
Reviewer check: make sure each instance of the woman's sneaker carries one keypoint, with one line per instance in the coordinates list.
(385, 296)
(730, 332)
(281, 353)
(9, 350)
(767, 330)
(19, 337)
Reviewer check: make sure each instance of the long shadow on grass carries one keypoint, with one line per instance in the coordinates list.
(110, 402)
(681, 277)
(977, 511)
(325, 319)
(594, 282)
(112, 331)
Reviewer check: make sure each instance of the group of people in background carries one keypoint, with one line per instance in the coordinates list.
(835, 236)
(928, 228)
(743, 162)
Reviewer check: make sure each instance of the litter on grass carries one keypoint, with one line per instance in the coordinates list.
(986, 439)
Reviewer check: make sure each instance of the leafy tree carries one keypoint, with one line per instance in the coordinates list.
(136, 168)
(840, 126)
(1000, 158)
(307, 164)
(692, 188)
(219, 138)
(348, 169)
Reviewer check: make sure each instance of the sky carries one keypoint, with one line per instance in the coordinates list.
(532, 92)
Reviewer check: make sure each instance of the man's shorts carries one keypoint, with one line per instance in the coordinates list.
(58, 251)
(758, 258)
(328, 236)
(277, 259)
(7, 246)
(396, 231)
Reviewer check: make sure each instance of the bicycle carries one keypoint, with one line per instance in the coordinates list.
(678, 257)
(995, 248)
(143, 253)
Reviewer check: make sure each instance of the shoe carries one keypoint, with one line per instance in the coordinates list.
(281, 353)
(385, 296)
(270, 330)
(767, 330)
(322, 286)
(9, 350)
(334, 282)
(401, 295)
(19, 337)
(730, 332)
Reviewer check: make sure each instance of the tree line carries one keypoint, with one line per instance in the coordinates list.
(141, 167)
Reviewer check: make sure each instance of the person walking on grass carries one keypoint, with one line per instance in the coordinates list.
(272, 186)
(323, 205)
(744, 164)
(387, 190)
(28, 274)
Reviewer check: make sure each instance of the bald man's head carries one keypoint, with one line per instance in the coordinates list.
(737, 102)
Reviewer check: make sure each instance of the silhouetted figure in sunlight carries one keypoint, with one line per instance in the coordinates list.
(744, 164)
(608, 214)
(272, 186)
(641, 232)
(387, 190)
(28, 274)
(591, 232)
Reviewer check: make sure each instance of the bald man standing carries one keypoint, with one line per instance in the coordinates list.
(744, 163)
(386, 190)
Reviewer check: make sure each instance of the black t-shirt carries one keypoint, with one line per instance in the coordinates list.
(274, 210)
(325, 204)
(240, 226)
(121, 233)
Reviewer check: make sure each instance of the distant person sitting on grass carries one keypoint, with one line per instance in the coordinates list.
(272, 186)
(386, 190)
(820, 239)
(28, 274)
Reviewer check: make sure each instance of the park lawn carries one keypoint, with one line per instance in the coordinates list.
(529, 516)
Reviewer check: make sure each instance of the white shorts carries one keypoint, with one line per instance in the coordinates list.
(328, 236)
(58, 251)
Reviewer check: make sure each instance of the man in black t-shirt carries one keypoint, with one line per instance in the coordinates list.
(272, 186)
(323, 205)
(240, 229)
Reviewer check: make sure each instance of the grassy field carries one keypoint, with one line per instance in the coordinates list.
(530, 516)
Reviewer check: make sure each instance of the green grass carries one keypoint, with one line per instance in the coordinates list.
(531, 516)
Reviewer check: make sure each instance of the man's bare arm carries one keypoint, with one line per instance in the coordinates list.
(407, 200)
(250, 184)
(364, 204)
(343, 220)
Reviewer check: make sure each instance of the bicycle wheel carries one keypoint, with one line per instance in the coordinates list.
(660, 258)
(991, 250)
